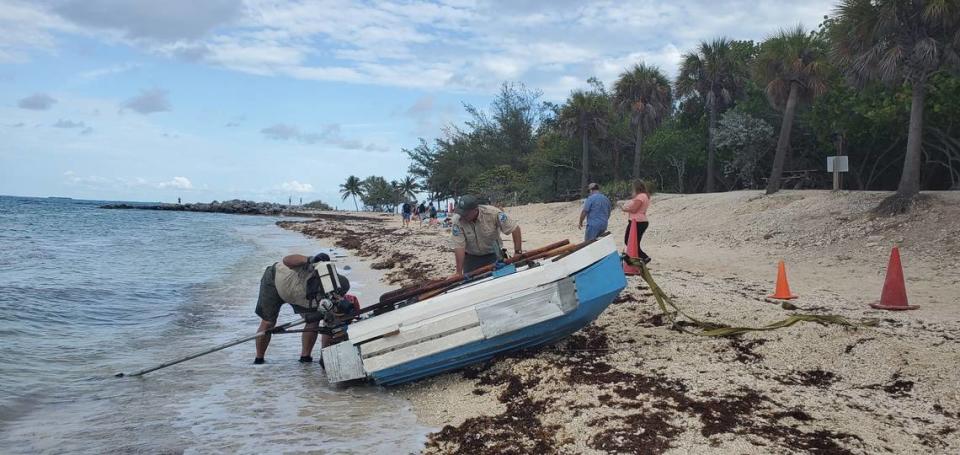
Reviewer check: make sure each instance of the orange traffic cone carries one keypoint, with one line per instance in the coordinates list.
(783, 288)
(894, 295)
(633, 250)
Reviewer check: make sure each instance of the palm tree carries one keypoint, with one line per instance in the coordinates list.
(645, 92)
(897, 42)
(584, 114)
(408, 187)
(716, 74)
(352, 187)
(791, 66)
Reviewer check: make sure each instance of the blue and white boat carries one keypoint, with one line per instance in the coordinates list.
(531, 307)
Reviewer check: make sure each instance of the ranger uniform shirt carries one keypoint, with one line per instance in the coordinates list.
(483, 235)
(291, 283)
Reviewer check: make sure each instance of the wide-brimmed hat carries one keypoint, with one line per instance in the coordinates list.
(467, 203)
(593, 186)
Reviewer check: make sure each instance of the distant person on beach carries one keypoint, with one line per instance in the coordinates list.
(596, 211)
(294, 280)
(421, 213)
(433, 215)
(475, 235)
(636, 209)
(416, 210)
(178, 201)
(405, 213)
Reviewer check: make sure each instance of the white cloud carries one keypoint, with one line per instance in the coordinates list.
(148, 102)
(447, 45)
(330, 134)
(87, 180)
(37, 102)
(125, 183)
(180, 183)
(68, 124)
(282, 132)
(99, 73)
(27, 27)
(296, 187)
(169, 20)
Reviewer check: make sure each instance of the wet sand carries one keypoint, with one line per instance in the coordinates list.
(631, 383)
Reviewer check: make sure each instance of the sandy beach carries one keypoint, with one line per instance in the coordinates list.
(629, 383)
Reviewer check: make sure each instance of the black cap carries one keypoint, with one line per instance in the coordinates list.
(467, 203)
(320, 257)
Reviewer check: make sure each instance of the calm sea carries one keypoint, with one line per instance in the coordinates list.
(88, 292)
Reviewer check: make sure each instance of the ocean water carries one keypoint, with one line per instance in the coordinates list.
(86, 293)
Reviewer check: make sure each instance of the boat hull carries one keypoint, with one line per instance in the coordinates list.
(596, 287)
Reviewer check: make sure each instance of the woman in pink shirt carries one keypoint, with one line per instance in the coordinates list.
(637, 210)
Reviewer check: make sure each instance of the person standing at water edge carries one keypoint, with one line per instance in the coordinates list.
(596, 211)
(475, 235)
(294, 280)
(637, 210)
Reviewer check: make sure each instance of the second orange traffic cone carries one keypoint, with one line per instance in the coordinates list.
(894, 294)
(783, 288)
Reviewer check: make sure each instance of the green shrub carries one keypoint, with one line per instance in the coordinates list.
(319, 205)
(623, 189)
(500, 185)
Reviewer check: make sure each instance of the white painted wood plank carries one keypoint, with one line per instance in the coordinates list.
(567, 293)
(342, 362)
(520, 311)
(411, 334)
(359, 336)
(424, 349)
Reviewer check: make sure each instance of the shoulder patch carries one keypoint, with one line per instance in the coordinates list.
(455, 231)
(502, 217)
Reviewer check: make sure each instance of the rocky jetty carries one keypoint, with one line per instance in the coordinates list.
(234, 206)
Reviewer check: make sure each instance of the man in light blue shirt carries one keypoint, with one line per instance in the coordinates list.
(596, 211)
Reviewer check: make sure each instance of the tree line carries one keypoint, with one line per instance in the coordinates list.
(876, 81)
(378, 194)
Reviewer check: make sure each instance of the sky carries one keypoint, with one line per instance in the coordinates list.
(145, 100)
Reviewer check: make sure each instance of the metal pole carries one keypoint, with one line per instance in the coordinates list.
(836, 168)
(218, 348)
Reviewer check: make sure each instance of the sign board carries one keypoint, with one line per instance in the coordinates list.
(838, 164)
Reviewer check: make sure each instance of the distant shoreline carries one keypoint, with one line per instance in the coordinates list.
(235, 207)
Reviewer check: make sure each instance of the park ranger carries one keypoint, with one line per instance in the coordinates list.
(475, 236)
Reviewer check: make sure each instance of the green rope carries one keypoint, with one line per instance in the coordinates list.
(720, 330)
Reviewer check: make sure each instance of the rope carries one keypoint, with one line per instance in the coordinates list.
(720, 330)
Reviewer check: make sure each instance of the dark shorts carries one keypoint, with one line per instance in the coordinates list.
(269, 301)
(406, 216)
(472, 262)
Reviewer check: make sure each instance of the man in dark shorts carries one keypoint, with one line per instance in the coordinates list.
(290, 281)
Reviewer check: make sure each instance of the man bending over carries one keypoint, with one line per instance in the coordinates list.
(295, 281)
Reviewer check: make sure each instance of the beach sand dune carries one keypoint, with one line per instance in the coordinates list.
(629, 383)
